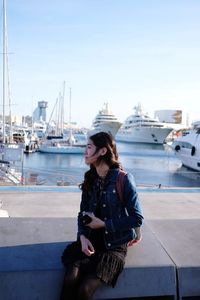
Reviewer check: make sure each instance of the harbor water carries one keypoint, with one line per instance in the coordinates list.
(152, 165)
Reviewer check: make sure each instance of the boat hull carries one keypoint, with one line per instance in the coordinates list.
(187, 149)
(187, 161)
(151, 135)
(62, 150)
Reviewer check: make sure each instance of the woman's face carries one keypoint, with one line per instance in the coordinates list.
(91, 155)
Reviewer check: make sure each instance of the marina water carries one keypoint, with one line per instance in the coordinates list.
(152, 165)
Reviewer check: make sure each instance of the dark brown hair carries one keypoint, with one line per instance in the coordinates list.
(101, 140)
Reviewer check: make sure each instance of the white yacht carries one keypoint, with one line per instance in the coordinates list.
(187, 147)
(140, 128)
(106, 121)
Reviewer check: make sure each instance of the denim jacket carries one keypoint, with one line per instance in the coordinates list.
(120, 218)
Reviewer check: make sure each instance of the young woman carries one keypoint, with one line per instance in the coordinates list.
(105, 223)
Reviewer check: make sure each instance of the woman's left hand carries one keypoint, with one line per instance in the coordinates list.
(96, 223)
(133, 242)
(138, 237)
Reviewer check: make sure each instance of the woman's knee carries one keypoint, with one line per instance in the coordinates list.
(87, 288)
(84, 292)
(71, 276)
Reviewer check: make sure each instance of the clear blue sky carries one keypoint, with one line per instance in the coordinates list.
(116, 51)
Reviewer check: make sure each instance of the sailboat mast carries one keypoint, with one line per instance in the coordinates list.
(70, 125)
(63, 108)
(70, 103)
(4, 68)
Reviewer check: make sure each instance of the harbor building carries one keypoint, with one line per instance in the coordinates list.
(39, 113)
(173, 116)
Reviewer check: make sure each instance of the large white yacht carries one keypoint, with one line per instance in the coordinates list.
(140, 128)
(106, 121)
(187, 147)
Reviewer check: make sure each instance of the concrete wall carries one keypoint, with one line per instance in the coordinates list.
(30, 266)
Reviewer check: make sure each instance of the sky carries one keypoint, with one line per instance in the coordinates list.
(123, 52)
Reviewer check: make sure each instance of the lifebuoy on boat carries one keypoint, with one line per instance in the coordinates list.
(193, 150)
(177, 148)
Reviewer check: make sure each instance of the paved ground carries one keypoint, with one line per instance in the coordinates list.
(64, 202)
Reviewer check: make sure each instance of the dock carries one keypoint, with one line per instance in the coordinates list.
(42, 220)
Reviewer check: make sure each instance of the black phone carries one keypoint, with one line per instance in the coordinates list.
(85, 219)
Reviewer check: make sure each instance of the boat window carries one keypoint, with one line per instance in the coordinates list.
(185, 133)
(198, 131)
(186, 145)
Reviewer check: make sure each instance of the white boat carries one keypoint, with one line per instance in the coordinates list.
(140, 128)
(187, 147)
(10, 154)
(62, 149)
(62, 145)
(106, 121)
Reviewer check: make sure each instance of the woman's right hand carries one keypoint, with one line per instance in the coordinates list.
(86, 246)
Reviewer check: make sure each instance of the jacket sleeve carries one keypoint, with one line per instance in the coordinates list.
(133, 217)
(83, 207)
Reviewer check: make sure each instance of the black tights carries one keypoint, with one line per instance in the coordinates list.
(76, 287)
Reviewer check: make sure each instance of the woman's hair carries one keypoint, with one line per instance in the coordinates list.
(102, 140)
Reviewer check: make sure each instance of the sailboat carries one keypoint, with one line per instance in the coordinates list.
(9, 153)
(63, 145)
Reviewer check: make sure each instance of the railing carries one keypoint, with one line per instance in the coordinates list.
(9, 175)
(182, 178)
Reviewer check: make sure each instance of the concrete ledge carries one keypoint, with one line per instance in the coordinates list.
(172, 215)
(37, 257)
(181, 239)
(149, 271)
(30, 266)
(25, 285)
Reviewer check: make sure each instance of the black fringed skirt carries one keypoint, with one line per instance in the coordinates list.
(105, 264)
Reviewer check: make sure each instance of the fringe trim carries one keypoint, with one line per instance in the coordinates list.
(109, 268)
